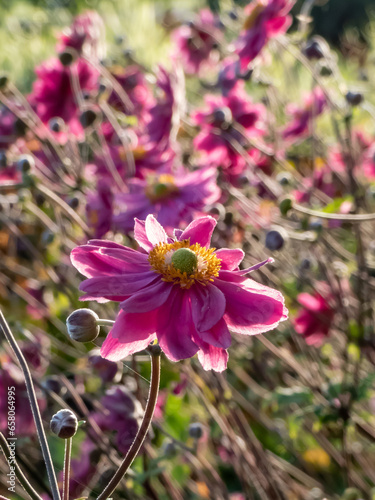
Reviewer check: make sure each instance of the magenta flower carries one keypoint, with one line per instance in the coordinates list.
(99, 209)
(227, 123)
(85, 35)
(7, 130)
(195, 42)
(52, 94)
(134, 83)
(176, 290)
(170, 197)
(11, 376)
(315, 319)
(314, 105)
(265, 19)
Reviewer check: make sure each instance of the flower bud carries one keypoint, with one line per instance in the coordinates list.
(82, 325)
(56, 124)
(3, 81)
(313, 50)
(354, 98)
(68, 56)
(88, 117)
(64, 424)
(196, 430)
(276, 238)
(25, 163)
(169, 448)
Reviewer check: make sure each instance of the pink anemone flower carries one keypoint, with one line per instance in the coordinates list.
(265, 19)
(315, 319)
(53, 94)
(314, 105)
(196, 42)
(171, 196)
(177, 290)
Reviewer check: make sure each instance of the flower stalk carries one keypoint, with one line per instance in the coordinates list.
(66, 473)
(34, 407)
(155, 353)
(19, 474)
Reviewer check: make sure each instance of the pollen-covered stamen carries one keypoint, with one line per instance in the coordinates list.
(184, 264)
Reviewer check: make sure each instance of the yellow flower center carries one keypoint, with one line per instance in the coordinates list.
(183, 264)
(161, 187)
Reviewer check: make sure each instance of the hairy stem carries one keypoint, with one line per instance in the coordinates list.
(19, 474)
(34, 407)
(146, 422)
(66, 473)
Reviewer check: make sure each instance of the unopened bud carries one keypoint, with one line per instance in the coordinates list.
(25, 163)
(196, 430)
(88, 117)
(82, 325)
(64, 424)
(68, 56)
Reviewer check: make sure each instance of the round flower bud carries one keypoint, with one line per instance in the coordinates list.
(56, 124)
(82, 325)
(316, 224)
(222, 117)
(276, 238)
(313, 50)
(68, 56)
(196, 430)
(88, 118)
(284, 178)
(285, 205)
(3, 81)
(354, 98)
(64, 424)
(25, 163)
(169, 448)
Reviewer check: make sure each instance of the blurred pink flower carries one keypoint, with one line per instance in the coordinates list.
(134, 83)
(314, 105)
(315, 319)
(11, 376)
(85, 35)
(226, 124)
(178, 291)
(171, 197)
(99, 209)
(265, 19)
(196, 42)
(52, 94)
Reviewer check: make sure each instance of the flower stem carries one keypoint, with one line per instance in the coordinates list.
(34, 407)
(104, 322)
(20, 475)
(146, 422)
(324, 215)
(66, 473)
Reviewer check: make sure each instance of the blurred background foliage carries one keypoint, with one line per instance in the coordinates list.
(28, 27)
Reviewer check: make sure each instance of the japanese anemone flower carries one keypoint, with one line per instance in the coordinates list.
(177, 290)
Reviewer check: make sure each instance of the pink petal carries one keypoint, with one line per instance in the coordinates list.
(121, 285)
(230, 258)
(176, 328)
(251, 269)
(148, 299)
(213, 358)
(217, 336)
(207, 306)
(310, 302)
(200, 231)
(140, 235)
(134, 327)
(251, 308)
(155, 232)
(93, 261)
(114, 350)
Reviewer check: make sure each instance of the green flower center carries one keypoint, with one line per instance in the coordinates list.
(185, 260)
